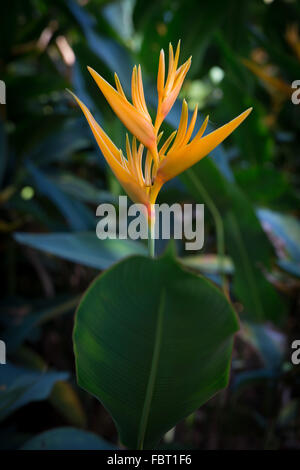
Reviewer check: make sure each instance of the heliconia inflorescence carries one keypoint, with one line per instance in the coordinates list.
(141, 178)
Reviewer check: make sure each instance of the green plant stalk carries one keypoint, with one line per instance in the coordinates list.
(151, 238)
(219, 227)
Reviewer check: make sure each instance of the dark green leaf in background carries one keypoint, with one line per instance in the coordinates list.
(83, 248)
(17, 333)
(20, 386)
(77, 216)
(67, 438)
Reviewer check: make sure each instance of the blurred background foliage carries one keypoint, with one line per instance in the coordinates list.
(52, 178)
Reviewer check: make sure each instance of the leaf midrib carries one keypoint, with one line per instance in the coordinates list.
(153, 373)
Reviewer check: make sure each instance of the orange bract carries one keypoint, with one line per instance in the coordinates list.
(143, 182)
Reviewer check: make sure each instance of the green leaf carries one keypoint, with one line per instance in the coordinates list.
(20, 386)
(67, 438)
(83, 248)
(153, 342)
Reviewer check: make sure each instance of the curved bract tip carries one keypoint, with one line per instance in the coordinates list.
(179, 160)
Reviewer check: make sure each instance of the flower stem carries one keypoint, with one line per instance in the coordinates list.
(219, 228)
(151, 236)
(151, 243)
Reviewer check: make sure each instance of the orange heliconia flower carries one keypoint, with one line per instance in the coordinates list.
(142, 182)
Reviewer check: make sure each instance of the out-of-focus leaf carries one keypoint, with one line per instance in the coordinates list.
(61, 144)
(288, 414)
(115, 57)
(66, 401)
(80, 88)
(32, 209)
(269, 343)
(28, 142)
(290, 267)
(209, 263)
(81, 189)
(27, 357)
(76, 214)
(119, 15)
(16, 334)
(82, 248)
(266, 186)
(63, 396)
(20, 386)
(251, 378)
(67, 438)
(285, 230)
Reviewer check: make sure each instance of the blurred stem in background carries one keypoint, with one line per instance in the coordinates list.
(219, 228)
